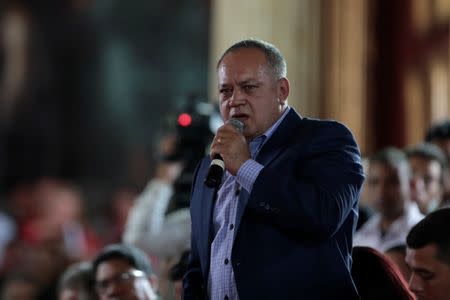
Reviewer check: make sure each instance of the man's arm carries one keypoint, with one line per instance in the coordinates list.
(193, 279)
(311, 188)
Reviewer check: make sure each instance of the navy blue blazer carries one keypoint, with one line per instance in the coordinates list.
(293, 236)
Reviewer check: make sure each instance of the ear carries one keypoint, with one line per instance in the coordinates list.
(283, 90)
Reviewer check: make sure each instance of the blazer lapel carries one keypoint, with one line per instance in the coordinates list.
(278, 141)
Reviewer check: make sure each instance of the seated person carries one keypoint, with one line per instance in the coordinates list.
(388, 187)
(77, 283)
(429, 170)
(428, 255)
(124, 272)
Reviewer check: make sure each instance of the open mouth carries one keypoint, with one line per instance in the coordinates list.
(240, 117)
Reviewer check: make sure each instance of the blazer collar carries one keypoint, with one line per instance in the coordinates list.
(281, 138)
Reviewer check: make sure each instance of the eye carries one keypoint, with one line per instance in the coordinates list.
(426, 275)
(226, 92)
(249, 87)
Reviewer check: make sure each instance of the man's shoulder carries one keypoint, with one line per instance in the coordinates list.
(324, 124)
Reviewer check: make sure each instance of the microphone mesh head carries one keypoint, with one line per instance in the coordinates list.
(237, 124)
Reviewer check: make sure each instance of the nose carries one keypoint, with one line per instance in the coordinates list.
(237, 98)
(415, 284)
(112, 290)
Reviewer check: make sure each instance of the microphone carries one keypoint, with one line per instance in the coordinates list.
(217, 166)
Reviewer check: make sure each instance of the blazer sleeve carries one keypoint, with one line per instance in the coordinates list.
(311, 187)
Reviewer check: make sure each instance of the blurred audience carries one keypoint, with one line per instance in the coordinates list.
(376, 277)
(429, 169)
(439, 134)
(177, 272)
(124, 272)
(60, 217)
(151, 224)
(7, 232)
(120, 202)
(19, 286)
(428, 255)
(388, 188)
(160, 222)
(147, 220)
(77, 283)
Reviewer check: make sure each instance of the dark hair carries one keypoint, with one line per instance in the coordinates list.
(377, 277)
(78, 276)
(428, 151)
(274, 57)
(439, 131)
(390, 156)
(432, 230)
(133, 255)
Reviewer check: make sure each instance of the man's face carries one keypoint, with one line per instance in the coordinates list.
(248, 91)
(388, 188)
(117, 279)
(428, 189)
(430, 278)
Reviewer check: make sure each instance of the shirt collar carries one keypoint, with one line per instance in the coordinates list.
(269, 132)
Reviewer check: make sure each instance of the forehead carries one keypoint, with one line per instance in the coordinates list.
(243, 64)
(424, 257)
(424, 164)
(382, 169)
(112, 267)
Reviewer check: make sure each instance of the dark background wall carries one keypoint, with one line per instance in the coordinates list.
(103, 79)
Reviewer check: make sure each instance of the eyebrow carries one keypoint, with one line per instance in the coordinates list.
(240, 83)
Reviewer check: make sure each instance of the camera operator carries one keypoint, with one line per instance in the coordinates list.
(159, 221)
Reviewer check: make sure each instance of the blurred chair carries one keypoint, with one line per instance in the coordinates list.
(377, 277)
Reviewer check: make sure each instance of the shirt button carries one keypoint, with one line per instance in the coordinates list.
(236, 193)
(231, 226)
(226, 261)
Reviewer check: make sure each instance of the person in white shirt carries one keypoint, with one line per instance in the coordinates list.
(388, 186)
(429, 169)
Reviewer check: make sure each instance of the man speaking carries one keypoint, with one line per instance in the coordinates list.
(279, 225)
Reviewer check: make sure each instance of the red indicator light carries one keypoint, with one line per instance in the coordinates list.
(184, 120)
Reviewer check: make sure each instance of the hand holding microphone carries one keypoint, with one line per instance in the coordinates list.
(229, 151)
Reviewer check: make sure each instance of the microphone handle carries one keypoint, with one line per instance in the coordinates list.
(215, 172)
(217, 167)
